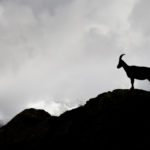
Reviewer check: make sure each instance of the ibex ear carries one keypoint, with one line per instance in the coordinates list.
(121, 56)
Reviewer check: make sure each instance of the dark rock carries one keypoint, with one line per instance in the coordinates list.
(113, 120)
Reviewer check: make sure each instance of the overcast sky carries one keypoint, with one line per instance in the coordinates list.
(57, 54)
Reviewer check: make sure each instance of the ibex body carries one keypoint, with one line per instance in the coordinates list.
(134, 72)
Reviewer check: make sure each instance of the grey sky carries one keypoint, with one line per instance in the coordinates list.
(56, 54)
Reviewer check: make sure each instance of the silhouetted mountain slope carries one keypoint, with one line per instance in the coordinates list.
(113, 120)
(1, 124)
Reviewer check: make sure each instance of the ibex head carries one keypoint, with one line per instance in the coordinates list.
(120, 64)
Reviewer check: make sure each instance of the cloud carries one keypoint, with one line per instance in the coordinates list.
(36, 53)
(39, 5)
(50, 106)
(139, 17)
(139, 24)
(26, 34)
(56, 54)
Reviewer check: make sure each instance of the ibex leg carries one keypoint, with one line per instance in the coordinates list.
(132, 83)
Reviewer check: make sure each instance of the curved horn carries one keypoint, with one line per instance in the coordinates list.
(121, 56)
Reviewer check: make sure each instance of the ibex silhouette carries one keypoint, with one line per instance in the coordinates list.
(134, 72)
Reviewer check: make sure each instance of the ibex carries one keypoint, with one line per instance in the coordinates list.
(134, 72)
